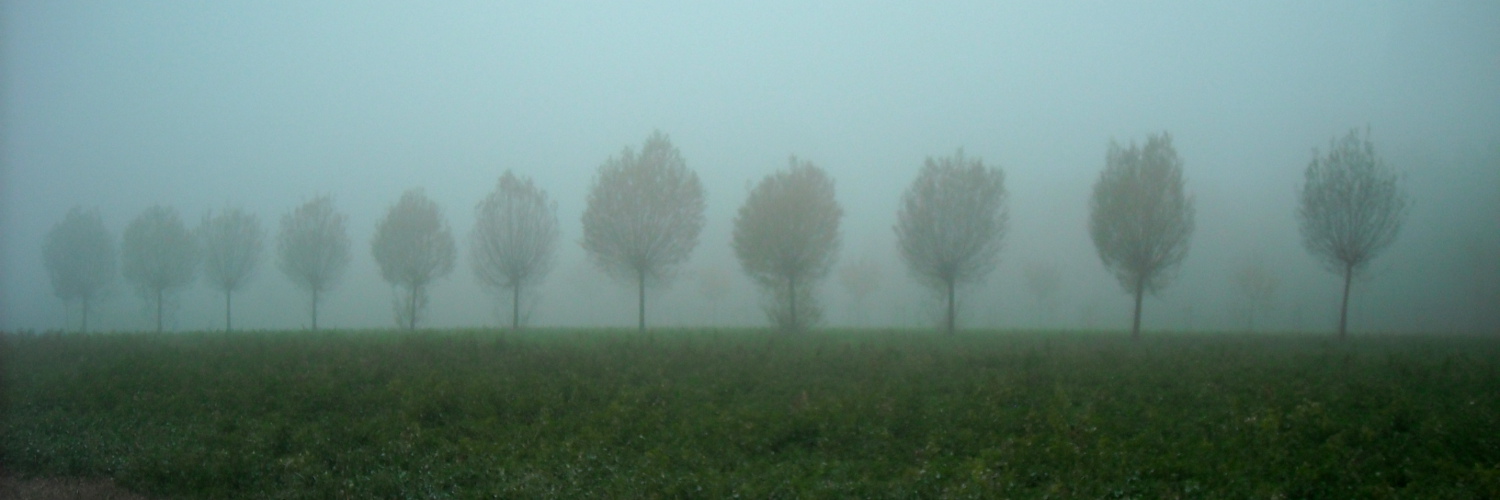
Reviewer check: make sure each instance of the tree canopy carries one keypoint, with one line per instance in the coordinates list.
(159, 255)
(786, 236)
(644, 214)
(1141, 217)
(413, 246)
(80, 257)
(1351, 208)
(313, 248)
(514, 242)
(951, 224)
(231, 252)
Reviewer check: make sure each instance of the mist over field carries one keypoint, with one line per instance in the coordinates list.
(266, 105)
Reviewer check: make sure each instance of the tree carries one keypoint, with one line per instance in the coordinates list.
(713, 286)
(644, 215)
(515, 239)
(1043, 281)
(1351, 208)
(1140, 217)
(786, 236)
(951, 224)
(860, 278)
(231, 251)
(1255, 285)
(414, 247)
(160, 255)
(313, 248)
(80, 257)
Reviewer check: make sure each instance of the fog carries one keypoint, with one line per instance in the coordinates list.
(263, 105)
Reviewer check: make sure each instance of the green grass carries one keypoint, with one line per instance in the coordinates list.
(708, 414)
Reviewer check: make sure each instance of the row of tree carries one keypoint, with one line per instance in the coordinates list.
(645, 212)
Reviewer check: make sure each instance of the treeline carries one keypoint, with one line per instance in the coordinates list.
(646, 209)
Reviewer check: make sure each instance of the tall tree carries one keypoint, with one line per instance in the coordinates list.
(1352, 206)
(414, 247)
(231, 252)
(786, 237)
(951, 225)
(313, 248)
(80, 257)
(1140, 217)
(514, 242)
(160, 255)
(644, 215)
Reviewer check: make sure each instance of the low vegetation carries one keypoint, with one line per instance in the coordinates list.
(717, 414)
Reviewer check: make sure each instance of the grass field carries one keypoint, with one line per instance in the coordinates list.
(711, 414)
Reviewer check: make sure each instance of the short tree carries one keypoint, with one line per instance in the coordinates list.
(786, 236)
(1043, 281)
(1140, 217)
(231, 251)
(313, 248)
(643, 217)
(951, 225)
(80, 257)
(413, 247)
(1352, 206)
(860, 279)
(1255, 285)
(160, 255)
(514, 241)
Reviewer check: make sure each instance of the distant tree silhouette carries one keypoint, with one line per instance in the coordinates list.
(1043, 281)
(1352, 206)
(1255, 285)
(313, 248)
(159, 255)
(514, 241)
(79, 254)
(786, 236)
(952, 221)
(713, 286)
(643, 217)
(1141, 217)
(231, 252)
(413, 247)
(860, 279)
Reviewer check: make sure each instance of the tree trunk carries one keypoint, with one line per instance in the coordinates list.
(315, 309)
(411, 308)
(952, 309)
(791, 285)
(1344, 309)
(515, 306)
(1135, 325)
(158, 309)
(641, 288)
(228, 325)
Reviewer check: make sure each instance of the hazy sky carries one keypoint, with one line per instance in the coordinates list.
(262, 105)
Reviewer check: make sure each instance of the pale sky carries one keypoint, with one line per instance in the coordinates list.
(262, 105)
